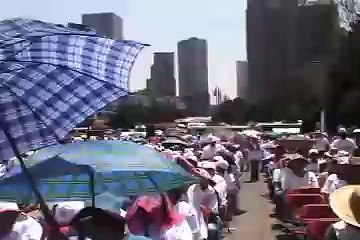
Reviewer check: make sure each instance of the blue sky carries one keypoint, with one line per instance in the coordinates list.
(161, 23)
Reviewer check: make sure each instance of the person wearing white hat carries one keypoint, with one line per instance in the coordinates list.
(254, 154)
(209, 166)
(240, 160)
(64, 212)
(313, 165)
(336, 179)
(322, 143)
(296, 176)
(220, 183)
(212, 148)
(20, 227)
(292, 177)
(345, 202)
(202, 196)
(344, 143)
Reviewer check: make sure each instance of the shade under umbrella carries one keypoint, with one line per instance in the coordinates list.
(121, 168)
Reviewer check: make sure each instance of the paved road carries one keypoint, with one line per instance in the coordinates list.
(255, 224)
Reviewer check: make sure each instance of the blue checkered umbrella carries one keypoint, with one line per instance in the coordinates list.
(52, 78)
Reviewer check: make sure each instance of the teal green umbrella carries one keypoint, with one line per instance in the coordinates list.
(82, 170)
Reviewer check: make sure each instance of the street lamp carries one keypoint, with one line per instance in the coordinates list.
(318, 75)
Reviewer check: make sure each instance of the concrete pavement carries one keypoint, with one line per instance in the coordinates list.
(255, 223)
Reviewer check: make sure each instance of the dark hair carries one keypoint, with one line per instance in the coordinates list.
(91, 217)
(342, 135)
(176, 194)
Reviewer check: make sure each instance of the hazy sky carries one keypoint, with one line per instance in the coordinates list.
(161, 23)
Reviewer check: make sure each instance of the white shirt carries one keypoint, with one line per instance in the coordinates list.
(28, 229)
(313, 167)
(277, 175)
(321, 144)
(346, 144)
(207, 198)
(289, 181)
(221, 188)
(332, 183)
(189, 212)
(209, 151)
(254, 155)
(239, 157)
(232, 183)
(178, 232)
(346, 232)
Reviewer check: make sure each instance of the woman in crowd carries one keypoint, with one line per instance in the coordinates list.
(337, 178)
(253, 154)
(292, 177)
(157, 218)
(205, 201)
(296, 176)
(344, 143)
(313, 165)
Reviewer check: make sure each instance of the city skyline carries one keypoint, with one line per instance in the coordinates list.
(162, 24)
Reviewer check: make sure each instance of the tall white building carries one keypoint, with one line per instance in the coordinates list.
(242, 79)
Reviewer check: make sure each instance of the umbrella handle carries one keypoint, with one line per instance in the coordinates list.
(49, 218)
(92, 189)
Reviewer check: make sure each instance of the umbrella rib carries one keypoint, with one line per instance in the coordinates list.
(71, 34)
(27, 39)
(26, 104)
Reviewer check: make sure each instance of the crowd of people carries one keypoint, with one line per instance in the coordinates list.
(330, 166)
(205, 210)
(199, 211)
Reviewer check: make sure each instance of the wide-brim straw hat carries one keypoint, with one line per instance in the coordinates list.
(345, 202)
(297, 157)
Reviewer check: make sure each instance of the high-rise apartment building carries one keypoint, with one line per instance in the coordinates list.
(242, 79)
(105, 24)
(162, 82)
(284, 36)
(193, 75)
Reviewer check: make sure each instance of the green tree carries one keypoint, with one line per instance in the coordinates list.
(344, 83)
(231, 112)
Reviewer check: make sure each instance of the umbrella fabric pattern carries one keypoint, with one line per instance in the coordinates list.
(120, 168)
(52, 78)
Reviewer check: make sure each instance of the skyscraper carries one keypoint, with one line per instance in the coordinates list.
(193, 75)
(105, 24)
(271, 32)
(242, 78)
(162, 82)
(283, 36)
